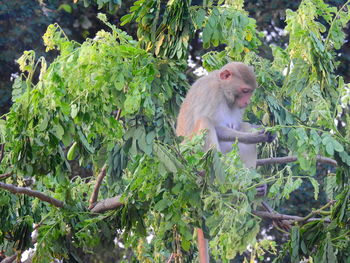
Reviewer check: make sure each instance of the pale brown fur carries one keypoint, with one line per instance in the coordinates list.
(214, 104)
(207, 96)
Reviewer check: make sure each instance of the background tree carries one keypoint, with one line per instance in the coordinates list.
(110, 104)
(30, 18)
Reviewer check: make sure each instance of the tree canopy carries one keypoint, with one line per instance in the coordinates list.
(109, 105)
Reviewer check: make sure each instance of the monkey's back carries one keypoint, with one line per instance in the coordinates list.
(200, 101)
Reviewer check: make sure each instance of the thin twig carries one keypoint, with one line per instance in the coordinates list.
(22, 190)
(118, 114)
(107, 204)
(267, 207)
(4, 176)
(2, 152)
(320, 210)
(94, 195)
(171, 258)
(290, 159)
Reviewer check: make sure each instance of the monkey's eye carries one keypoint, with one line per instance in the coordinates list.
(246, 90)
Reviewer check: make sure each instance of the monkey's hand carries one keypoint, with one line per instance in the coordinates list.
(268, 136)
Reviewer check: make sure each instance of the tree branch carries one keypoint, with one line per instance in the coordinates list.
(270, 213)
(101, 175)
(22, 190)
(107, 204)
(94, 195)
(320, 210)
(9, 259)
(285, 217)
(119, 112)
(171, 258)
(290, 159)
(4, 176)
(273, 215)
(2, 152)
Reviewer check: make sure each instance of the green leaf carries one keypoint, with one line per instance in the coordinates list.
(86, 144)
(331, 145)
(185, 244)
(337, 146)
(126, 19)
(328, 252)
(58, 131)
(330, 185)
(162, 205)
(67, 138)
(164, 156)
(44, 122)
(132, 102)
(276, 187)
(200, 17)
(74, 111)
(66, 8)
(72, 152)
(315, 185)
(345, 157)
(329, 148)
(218, 169)
(295, 241)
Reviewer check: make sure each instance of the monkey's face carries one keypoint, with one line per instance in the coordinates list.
(238, 87)
(243, 95)
(238, 94)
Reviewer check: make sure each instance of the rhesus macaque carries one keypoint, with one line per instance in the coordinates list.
(216, 103)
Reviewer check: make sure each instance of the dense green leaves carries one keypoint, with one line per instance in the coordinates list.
(113, 101)
(164, 29)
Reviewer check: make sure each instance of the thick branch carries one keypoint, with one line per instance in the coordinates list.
(94, 195)
(22, 190)
(270, 213)
(107, 204)
(9, 259)
(278, 216)
(290, 159)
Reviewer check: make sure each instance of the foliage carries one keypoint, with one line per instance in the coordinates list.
(113, 101)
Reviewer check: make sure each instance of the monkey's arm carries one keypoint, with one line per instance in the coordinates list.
(247, 127)
(228, 134)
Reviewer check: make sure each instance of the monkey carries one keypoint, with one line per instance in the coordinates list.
(216, 103)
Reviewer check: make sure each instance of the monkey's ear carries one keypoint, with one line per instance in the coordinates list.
(225, 74)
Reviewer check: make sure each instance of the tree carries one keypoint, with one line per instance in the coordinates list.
(110, 103)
